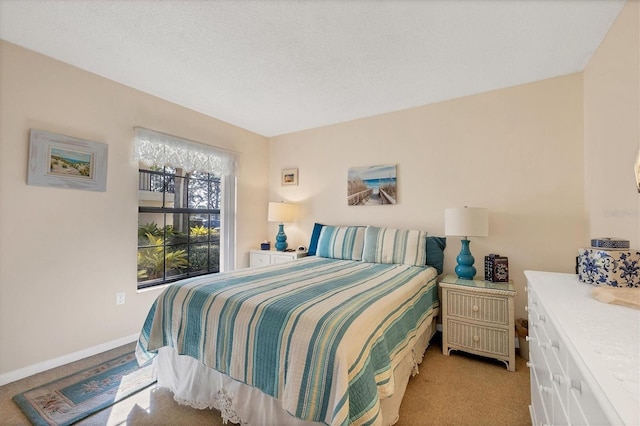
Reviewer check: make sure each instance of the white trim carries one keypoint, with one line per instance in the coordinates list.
(228, 225)
(21, 373)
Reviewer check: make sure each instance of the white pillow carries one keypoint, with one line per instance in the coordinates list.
(341, 242)
(388, 245)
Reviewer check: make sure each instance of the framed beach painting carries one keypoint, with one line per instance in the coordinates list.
(61, 161)
(374, 185)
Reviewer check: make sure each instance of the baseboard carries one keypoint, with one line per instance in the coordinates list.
(21, 373)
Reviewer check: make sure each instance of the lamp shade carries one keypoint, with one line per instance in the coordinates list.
(281, 212)
(466, 221)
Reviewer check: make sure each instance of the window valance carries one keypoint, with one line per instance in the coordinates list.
(155, 148)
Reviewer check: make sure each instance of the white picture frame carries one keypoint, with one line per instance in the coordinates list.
(289, 176)
(61, 161)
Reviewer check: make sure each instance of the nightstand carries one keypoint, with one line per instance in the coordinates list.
(270, 257)
(478, 317)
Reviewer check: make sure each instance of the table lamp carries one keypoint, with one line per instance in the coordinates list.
(466, 222)
(283, 213)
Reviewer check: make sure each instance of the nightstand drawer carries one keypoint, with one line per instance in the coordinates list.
(490, 309)
(271, 257)
(259, 259)
(493, 341)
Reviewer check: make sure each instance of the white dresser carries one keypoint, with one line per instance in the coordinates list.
(584, 355)
(270, 257)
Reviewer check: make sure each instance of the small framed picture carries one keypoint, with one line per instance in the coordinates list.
(289, 176)
(61, 161)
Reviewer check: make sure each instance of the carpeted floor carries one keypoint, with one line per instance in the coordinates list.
(458, 390)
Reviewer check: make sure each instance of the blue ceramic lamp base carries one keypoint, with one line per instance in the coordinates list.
(465, 269)
(281, 239)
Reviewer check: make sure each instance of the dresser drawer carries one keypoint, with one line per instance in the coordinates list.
(538, 409)
(584, 407)
(490, 309)
(494, 341)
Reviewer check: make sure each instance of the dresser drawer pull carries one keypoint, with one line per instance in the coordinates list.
(555, 344)
(545, 389)
(577, 385)
(544, 346)
(476, 339)
(529, 364)
(543, 318)
(526, 308)
(558, 378)
(475, 308)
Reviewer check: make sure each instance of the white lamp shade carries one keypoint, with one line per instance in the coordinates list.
(466, 221)
(281, 212)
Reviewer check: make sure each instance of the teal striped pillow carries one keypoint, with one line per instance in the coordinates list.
(341, 242)
(388, 245)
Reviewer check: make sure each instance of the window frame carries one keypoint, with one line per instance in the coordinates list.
(225, 196)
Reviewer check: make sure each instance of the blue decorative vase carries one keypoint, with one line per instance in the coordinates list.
(465, 268)
(281, 239)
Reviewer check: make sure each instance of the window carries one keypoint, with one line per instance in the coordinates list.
(185, 215)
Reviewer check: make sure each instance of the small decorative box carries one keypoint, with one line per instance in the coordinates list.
(610, 243)
(615, 268)
(488, 266)
(501, 269)
(496, 268)
(265, 246)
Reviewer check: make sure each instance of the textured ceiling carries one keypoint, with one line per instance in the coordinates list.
(276, 67)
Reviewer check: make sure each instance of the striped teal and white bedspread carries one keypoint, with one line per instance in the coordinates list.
(320, 335)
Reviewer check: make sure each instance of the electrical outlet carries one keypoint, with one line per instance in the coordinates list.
(120, 298)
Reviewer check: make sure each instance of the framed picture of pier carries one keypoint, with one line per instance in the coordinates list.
(374, 185)
(61, 161)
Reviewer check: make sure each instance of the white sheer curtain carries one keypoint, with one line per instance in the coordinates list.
(160, 149)
(155, 148)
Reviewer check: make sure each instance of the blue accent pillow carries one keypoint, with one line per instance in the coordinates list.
(341, 242)
(315, 235)
(435, 252)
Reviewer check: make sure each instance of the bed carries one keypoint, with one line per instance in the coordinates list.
(328, 339)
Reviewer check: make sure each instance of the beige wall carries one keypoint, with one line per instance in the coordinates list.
(64, 254)
(517, 151)
(612, 130)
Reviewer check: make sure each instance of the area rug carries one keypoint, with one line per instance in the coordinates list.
(72, 398)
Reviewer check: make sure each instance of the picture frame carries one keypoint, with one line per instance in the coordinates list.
(372, 186)
(61, 161)
(289, 176)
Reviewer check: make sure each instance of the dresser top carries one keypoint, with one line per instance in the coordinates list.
(605, 337)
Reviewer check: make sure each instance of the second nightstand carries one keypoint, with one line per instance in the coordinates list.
(269, 257)
(478, 317)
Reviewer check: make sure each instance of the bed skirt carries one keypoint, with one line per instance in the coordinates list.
(199, 386)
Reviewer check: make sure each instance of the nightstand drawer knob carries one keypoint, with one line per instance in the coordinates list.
(476, 339)
(475, 308)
